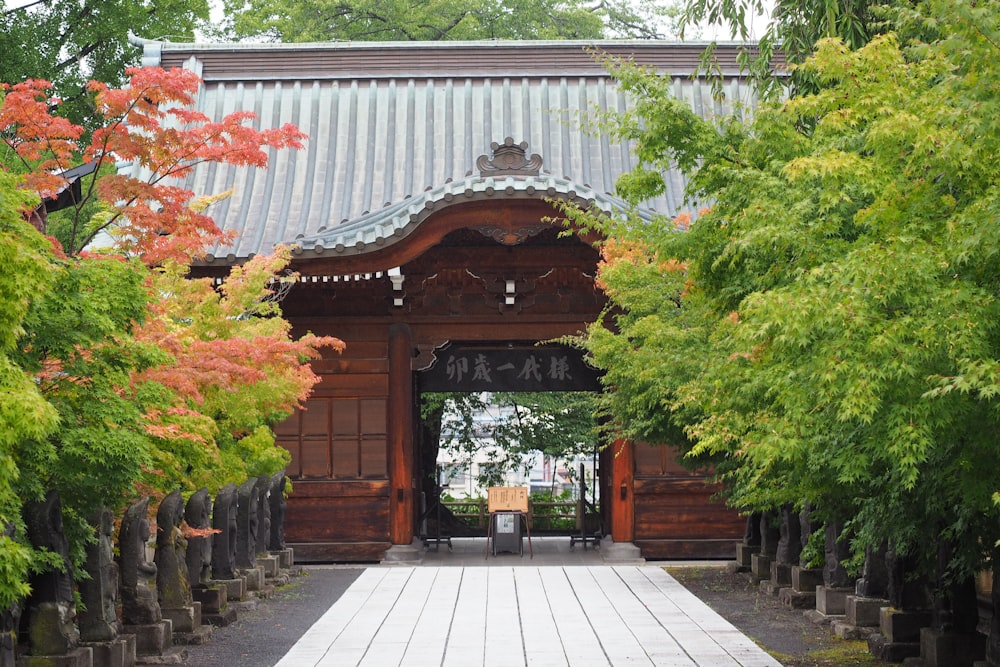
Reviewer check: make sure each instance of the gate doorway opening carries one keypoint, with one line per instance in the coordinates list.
(508, 415)
(489, 441)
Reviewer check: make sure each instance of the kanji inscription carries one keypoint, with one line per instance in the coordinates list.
(509, 369)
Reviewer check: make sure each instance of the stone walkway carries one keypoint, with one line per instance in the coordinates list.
(531, 615)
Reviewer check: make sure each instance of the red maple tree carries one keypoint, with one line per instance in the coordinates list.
(150, 122)
(233, 365)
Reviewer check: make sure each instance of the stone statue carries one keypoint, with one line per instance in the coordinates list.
(263, 514)
(769, 534)
(98, 620)
(874, 580)
(198, 513)
(276, 540)
(224, 541)
(138, 575)
(993, 639)
(789, 541)
(954, 605)
(806, 528)
(837, 551)
(172, 584)
(10, 620)
(51, 608)
(248, 502)
(751, 534)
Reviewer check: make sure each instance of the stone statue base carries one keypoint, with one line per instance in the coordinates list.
(151, 639)
(286, 557)
(806, 580)
(183, 619)
(743, 554)
(215, 608)
(862, 619)
(802, 593)
(781, 577)
(236, 589)
(201, 635)
(760, 566)
(282, 579)
(269, 564)
(950, 649)
(117, 652)
(188, 627)
(257, 582)
(899, 634)
(793, 599)
(832, 601)
(254, 577)
(81, 656)
(212, 600)
(222, 618)
(51, 628)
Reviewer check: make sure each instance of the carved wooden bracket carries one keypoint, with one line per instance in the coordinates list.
(511, 236)
(509, 159)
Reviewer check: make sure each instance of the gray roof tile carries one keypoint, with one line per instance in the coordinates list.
(386, 150)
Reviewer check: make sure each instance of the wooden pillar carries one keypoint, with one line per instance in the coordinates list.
(622, 496)
(400, 431)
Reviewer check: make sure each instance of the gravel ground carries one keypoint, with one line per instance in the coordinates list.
(785, 633)
(260, 638)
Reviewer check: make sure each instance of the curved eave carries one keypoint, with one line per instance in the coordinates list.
(388, 226)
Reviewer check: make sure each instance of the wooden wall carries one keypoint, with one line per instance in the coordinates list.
(675, 513)
(339, 508)
(353, 467)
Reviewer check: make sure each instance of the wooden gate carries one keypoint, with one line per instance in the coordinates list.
(423, 209)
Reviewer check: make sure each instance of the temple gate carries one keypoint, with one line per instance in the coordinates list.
(422, 215)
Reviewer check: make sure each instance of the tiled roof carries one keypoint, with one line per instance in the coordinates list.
(395, 131)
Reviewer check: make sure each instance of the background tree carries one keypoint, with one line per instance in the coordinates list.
(70, 43)
(510, 428)
(793, 28)
(432, 20)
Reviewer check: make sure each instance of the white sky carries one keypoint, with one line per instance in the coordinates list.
(708, 32)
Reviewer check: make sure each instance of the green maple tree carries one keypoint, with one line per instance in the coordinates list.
(827, 330)
(102, 338)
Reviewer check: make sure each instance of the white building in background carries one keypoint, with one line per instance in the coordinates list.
(461, 471)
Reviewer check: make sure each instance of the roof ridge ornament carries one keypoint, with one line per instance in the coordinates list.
(509, 159)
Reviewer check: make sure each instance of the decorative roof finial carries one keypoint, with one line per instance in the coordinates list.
(509, 159)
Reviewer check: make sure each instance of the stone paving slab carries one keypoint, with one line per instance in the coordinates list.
(508, 616)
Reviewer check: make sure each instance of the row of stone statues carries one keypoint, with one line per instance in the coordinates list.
(226, 537)
(900, 614)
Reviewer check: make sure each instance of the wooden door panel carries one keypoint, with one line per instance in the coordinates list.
(345, 512)
(345, 459)
(679, 509)
(345, 417)
(315, 458)
(374, 458)
(373, 416)
(676, 514)
(292, 446)
(315, 418)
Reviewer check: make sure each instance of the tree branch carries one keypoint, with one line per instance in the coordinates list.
(83, 53)
(8, 12)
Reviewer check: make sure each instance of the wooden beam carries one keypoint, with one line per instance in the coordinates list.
(400, 431)
(622, 492)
